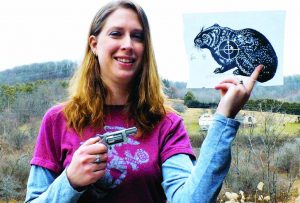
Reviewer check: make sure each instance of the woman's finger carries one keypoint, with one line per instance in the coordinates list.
(230, 80)
(96, 148)
(223, 86)
(98, 167)
(91, 141)
(97, 158)
(253, 78)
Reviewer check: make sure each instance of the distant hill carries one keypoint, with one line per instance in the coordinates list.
(38, 71)
(289, 92)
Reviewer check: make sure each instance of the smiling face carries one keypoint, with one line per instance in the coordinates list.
(119, 47)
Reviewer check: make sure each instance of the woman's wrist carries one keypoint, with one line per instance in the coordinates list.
(74, 186)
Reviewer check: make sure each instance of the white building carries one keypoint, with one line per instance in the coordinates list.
(206, 119)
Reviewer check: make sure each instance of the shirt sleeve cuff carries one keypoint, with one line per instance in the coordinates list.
(68, 187)
(227, 121)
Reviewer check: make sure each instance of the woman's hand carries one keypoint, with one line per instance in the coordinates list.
(84, 169)
(235, 94)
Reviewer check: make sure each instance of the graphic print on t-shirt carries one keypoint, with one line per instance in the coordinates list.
(120, 161)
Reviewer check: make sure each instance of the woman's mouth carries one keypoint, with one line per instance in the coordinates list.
(125, 60)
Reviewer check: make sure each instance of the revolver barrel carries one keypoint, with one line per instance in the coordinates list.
(116, 137)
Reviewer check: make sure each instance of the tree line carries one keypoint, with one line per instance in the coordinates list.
(288, 92)
(266, 105)
(38, 71)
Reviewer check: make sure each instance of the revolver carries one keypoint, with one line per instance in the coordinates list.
(120, 136)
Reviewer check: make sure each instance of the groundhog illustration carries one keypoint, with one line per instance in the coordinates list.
(242, 49)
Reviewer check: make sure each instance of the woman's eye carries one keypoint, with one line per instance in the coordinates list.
(138, 36)
(115, 33)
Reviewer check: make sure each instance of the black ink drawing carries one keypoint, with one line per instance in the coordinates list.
(242, 49)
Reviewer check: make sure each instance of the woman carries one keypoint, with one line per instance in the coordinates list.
(117, 87)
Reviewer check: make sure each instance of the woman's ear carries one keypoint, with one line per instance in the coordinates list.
(93, 44)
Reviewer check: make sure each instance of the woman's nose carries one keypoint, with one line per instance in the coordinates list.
(127, 43)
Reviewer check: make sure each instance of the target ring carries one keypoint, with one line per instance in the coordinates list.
(228, 49)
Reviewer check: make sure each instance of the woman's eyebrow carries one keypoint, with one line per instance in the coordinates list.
(115, 28)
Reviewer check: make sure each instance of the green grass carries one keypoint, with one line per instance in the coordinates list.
(292, 129)
(286, 124)
(191, 117)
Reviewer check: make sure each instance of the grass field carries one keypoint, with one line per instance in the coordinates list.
(190, 119)
(287, 124)
(292, 129)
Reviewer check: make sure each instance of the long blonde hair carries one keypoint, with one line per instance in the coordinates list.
(146, 102)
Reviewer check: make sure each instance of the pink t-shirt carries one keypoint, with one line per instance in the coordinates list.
(133, 171)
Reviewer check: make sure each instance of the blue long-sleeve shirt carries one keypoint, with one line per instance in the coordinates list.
(183, 181)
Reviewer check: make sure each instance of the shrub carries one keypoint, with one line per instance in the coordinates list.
(17, 138)
(192, 103)
(288, 158)
(244, 177)
(14, 172)
(9, 187)
(179, 107)
(189, 96)
(197, 139)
